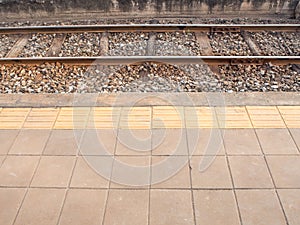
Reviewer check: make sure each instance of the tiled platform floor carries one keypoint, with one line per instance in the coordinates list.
(244, 175)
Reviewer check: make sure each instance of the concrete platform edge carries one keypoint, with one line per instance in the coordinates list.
(150, 99)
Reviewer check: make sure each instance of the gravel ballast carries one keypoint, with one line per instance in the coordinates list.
(82, 44)
(147, 77)
(6, 43)
(38, 45)
(229, 44)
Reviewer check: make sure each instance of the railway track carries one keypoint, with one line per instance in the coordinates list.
(147, 58)
(199, 40)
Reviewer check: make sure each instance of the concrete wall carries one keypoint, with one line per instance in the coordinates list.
(56, 8)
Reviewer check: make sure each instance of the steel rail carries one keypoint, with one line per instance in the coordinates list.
(151, 28)
(125, 60)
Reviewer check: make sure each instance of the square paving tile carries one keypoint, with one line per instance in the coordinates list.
(260, 207)
(83, 207)
(41, 206)
(18, 170)
(170, 172)
(290, 199)
(131, 172)
(215, 207)
(205, 142)
(62, 142)
(171, 207)
(276, 141)
(7, 138)
(127, 207)
(85, 176)
(134, 142)
(250, 172)
(285, 171)
(169, 142)
(2, 157)
(296, 136)
(30, 142)
(10, 201)
(210, 172)
(53, 171)
(98, 142)
(241, 142)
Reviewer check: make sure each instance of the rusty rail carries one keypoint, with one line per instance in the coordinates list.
(152, 28)
(124, 60)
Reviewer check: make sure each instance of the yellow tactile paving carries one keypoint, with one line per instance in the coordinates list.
(168, 117)
(290, 115)
(150, 117)
(265, 117)
(233, 117)
(13, 118)
(104, 118)
(200, 117)
(135, 117)
(42, 118)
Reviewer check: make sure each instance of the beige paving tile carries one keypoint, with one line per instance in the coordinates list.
(30, 142)
(285, 171)
(260, 207)
(2, 157)
(63, 142)
(276, 141)
(10, 201)
(98, 142)
(215, 207)
(83, 207)
(290, 199)
(17, 171)
(171, 207)
(47, 202)
(170, 172)
(250, 172)
(131, 172)
(118, 212)
(86, 176)
(53, 171)
(169, 142)
(7, 138)
(134, 142)
(296, 136)
(241, 142)
(205, 142)
(210, 172)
